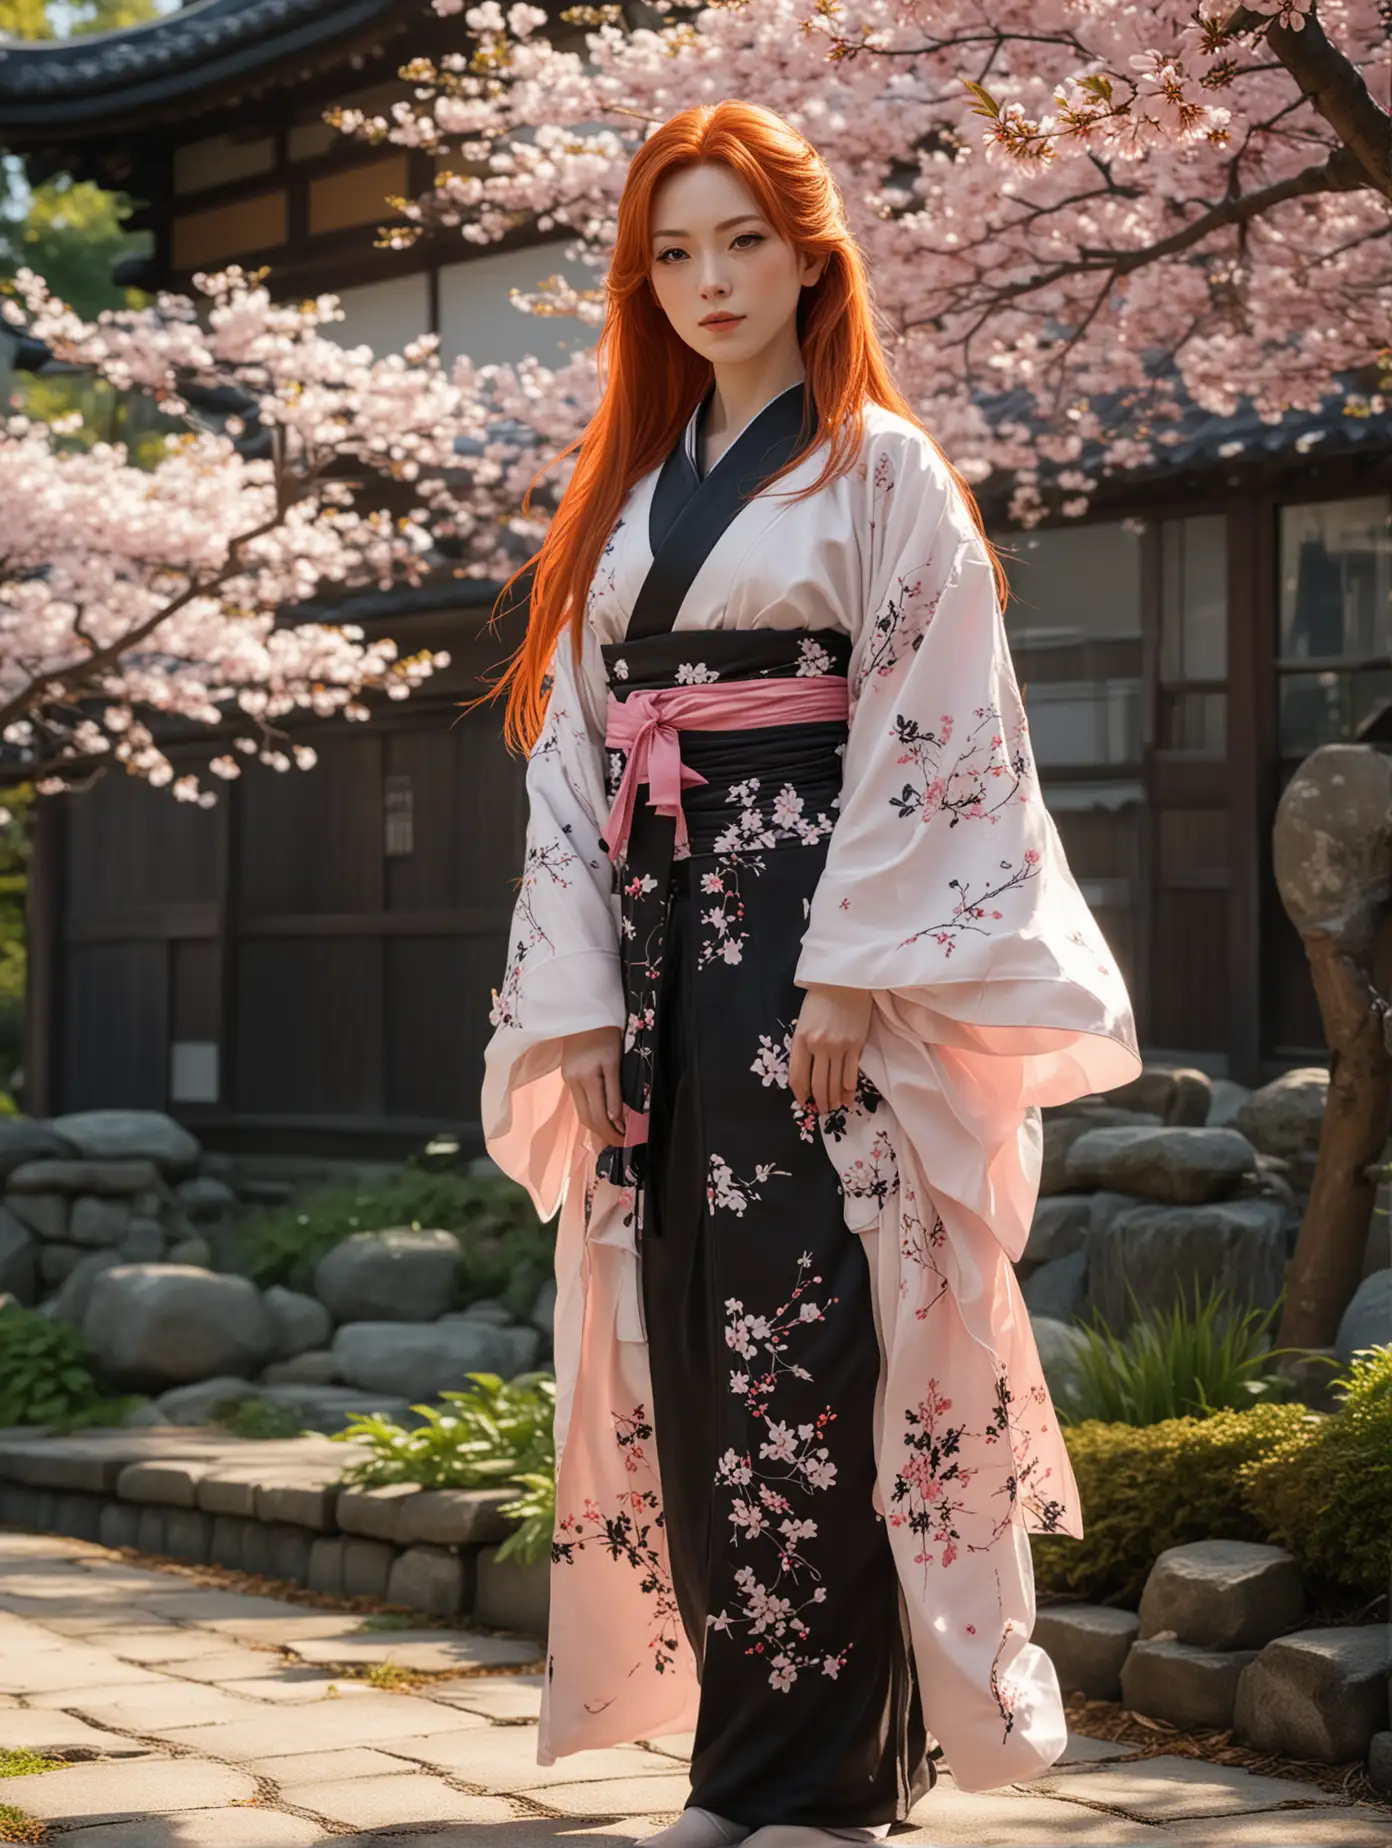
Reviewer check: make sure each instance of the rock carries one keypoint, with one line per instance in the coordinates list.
(1059, 1347)
(332, 1408)
(1380, 1762)
(1319, 1694)
(19, 1260)
(158, 1325)
(76, 1293)
(1377, 1253)
(142, 1241)
(1179, 1166)
(22, 1140)
(1087, 1644)
(201, 1403)
(315, 1367)
(1367, 1322)
(1059, 1228)
(85, 1177)
(203, 1197)
(511, 1596)
(1285, 1117)
(1227, 1100)
(1060, 1133)
(192, 1251)
(128, 1135)
(1312, 1373)
(487, 1309)
(415, 1362)
(138, 1418)
(1165, 1254)
(57, 1263)
(393, 1276)
(1177, 1094)
(45, 1214)
(1189, 1687)
(522, 1347)
(1223, 1594)
(428, 1578)
(542, 1315)
(1058, 1290)
(94, 1221)
(301, 1322)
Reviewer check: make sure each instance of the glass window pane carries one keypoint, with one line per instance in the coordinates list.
(1314, 710)
(1336, 579)
(1073, 584)
(1194, 722)
(1078, 723)
(1194, 598)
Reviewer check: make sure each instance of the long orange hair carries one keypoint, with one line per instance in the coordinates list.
(654, 380)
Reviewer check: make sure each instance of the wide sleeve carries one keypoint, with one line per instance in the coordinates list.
(946, 890)
(562, 974)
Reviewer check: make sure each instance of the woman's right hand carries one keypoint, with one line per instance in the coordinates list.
(590, 1067)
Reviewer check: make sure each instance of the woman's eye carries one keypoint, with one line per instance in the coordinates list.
(757, 236)
(675, 250)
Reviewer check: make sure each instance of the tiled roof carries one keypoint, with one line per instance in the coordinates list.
(210, 44)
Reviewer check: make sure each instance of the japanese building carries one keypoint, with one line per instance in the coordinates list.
(309, 964)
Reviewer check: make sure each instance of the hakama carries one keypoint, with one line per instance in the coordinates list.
(793, 1496)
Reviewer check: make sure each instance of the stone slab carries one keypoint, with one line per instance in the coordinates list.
(436, 1651)
(330, 1766)
(1339, 1828)
(1167, 1788)
(62, 1735)
(158, 1709)
(304, 1504)
(234, 1828)
(498, 1697)
(403, 1797)
(130, 1791)
(369, 1719)
(661, 1795)
(170, 1485)
(504, 1758)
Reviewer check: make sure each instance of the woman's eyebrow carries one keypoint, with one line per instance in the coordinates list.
(724, 225)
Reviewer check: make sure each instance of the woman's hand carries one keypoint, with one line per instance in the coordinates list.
(825, 1058)
(590, 1067)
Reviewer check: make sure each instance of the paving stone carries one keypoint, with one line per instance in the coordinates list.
(375, 1802)
(369, 1719)
(1223, 1594)
(331, 1766)
(432, 1650)
(1189, 1687)
(59, 1463)
(188, 1534)
(660, 1795)
(326, 1566)
(1167, 1788)
(168, 1485)
(1380, 1762)
(431, 1579)
(454, 1517)
(118, 1524)
(157, 1708)
(214, 1661)
(1320, 1694)
(375, 1513)
(673, 1745)
(78, 1516)
(132, 1790)
(22, 1506)
(229, 1491)
(225, 1546)
(1338, 1828)
(67, 1667)
(295, 1686)
(950, 1818)
(505, 1758)
(304, 1504)
(498, 1697)
(237, 1828)
(367, 1568)
(510, 1595)
(1082, 1750)
(149, 1532)
(1087, 1644)
(155, 1644)
(60, 1735)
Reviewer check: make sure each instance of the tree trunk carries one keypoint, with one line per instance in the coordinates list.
(1328, 1260)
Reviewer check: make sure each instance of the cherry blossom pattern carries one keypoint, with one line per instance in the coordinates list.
(974, 909)
(793, 1461)
(762, 822)
(725, 1189)
(987, 775)
(544, 866)
(628, 1534)
(919, 1244)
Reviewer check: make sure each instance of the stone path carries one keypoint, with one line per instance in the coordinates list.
(196, 1718)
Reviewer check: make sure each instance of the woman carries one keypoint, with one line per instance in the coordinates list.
(796, 956)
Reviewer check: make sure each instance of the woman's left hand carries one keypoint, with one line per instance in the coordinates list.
(824, 1062)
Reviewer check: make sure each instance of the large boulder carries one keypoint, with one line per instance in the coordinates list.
(1285, 1118)
(415, 1362)
(95, 1221)
(399, 1275)
(1180, 1166)
(300, 1322)
(1058, 1290)
(130, 1135)
(1088, 1645)
(1177, 1094)
(158, 1325)
(19, 1265)
(79, 1175)
(45, 1214)
(1058, 1229)
(23, 1140)
(1165, 1255)
(1223, 1594)
(1061, 1131)
(73, 1300)
(1226, 1102)
(1319, 1694)
(1059, 1347)
(1178, 1682)
(1367, 1322)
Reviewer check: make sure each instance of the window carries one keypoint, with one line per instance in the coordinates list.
(1074, 621)
(1334, 660)
(1193, 703)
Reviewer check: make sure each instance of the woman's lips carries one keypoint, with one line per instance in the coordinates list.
(725, 320)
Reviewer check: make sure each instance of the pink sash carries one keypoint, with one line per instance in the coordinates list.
(648, 727)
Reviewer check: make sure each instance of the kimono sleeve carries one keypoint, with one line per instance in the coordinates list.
(945, 889)
(563, 971)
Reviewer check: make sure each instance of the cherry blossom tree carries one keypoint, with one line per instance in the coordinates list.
(1080, 215)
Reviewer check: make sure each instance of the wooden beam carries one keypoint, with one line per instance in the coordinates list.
(43, 931)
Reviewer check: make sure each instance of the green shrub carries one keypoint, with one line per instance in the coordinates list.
(1324, 1490)
(506, 1252)
(259, 1418)
(27, 1764)
(1187, 1361)
(1145, 1488)
(46, 1375)
(498, 1432)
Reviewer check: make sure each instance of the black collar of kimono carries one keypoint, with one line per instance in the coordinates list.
(689, 513)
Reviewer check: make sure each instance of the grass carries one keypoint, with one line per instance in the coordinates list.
(27, 1764)
(15, 1826)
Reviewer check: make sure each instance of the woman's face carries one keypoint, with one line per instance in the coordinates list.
(715, 254)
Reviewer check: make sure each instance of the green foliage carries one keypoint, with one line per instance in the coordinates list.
(1325, 1489)
(506, 1252)
(15, 1826)
(26, 1764)
(46, 1375)
(1177, 1363)
(260, 1418)
(497, 1433)
(1147, 1488)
